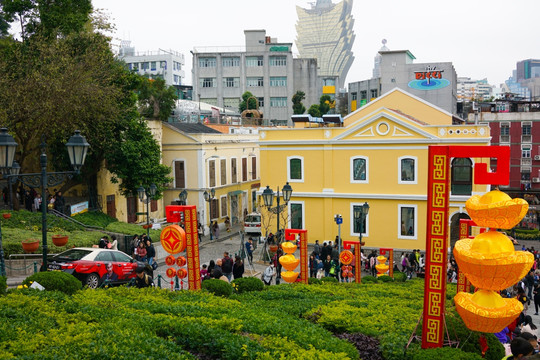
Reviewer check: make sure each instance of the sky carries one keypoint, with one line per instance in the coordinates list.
(483, 39)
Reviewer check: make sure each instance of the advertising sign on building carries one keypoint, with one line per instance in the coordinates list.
(79, 208)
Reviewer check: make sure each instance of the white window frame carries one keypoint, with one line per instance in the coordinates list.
(400, 181)
(408, 237)
(353, 181)
(289, 221)
(352, 220)
(526, 150)
(289, 158)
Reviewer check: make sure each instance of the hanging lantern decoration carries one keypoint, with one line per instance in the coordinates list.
(173, 239)
(346, 257)
(171, 272)
(169, 260)
(289, 262)
(490, 263)
(182, 273)
(181, 261)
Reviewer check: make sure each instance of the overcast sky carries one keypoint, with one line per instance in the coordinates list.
(483, 39)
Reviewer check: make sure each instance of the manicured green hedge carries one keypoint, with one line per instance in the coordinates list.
(55, 280)
(95, 218)
(246, 284)
(290, 321)
(217, 287)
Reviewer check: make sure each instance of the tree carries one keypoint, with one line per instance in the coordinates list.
(248, 98)
(298, 107)
(51, 19)
(324, 104)
(156, 99)
(135, 160)
(314, 110)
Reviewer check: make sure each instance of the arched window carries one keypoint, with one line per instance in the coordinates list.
(295, 169)
(407, 170)
(359, 169)
(461, 176)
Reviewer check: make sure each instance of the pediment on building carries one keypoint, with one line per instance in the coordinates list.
(386, 125)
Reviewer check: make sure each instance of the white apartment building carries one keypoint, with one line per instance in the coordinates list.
(265, 68)
(168, 64)
(469, 89)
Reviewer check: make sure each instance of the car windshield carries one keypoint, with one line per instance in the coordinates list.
(72, 254)
(253, 218)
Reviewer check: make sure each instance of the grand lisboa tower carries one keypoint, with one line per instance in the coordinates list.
(325, 32)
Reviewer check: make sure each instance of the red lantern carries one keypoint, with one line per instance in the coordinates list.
(182, 273)
(170, 260)
(351, 274)
(345, 274)
(181, 261)
(170, 272)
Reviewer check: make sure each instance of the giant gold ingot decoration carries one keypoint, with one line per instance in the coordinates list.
(486, 311)
(490, 263)
(289, 262)
(288, 247)
(496, 210)
(381, 267)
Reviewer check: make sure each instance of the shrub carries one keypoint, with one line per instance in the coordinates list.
(446, 353)
(367, 346)
(314, 281)
(95, 218)
(385, 278)
(217, 287)
(3, 285)
(328, 279)
(399, 276)
(55, 280)
(369, 279)
(246, 284)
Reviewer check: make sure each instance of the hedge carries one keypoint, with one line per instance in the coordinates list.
(293, 321)
(55, 280)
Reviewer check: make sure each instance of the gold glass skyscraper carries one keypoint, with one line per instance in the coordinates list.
(325, 32)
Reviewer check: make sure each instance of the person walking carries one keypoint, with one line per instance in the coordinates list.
(215, 230)
(249, 249)
(150, 254)
(268, 274)
(227, 265)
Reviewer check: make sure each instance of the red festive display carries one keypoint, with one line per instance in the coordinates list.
(171, 272)
(346, 257)
(390, 253)
(173, 239)
(357, 258)
(290, 234)
(437, 225)
(182, 273)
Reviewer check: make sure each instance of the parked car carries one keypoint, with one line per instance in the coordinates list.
(252, 224)
(92, 266)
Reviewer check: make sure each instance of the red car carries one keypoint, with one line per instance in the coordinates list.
(92, 266)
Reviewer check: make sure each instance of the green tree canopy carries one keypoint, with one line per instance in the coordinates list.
(324, 104)
(156, 99)
(298, 107)
(314, 111)
(248, 98)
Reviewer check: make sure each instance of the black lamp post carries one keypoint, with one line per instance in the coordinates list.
(360, 213)
(183, 196)
(77, 148)
(15, 170)
(208, 197)
(150, 193)
(268, 198)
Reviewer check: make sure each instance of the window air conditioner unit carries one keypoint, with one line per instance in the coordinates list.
(536, 180)
(536, 157)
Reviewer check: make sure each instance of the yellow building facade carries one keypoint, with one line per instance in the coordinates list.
(379, 156)
(203, 159)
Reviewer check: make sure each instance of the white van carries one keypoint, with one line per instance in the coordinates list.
(252, 224)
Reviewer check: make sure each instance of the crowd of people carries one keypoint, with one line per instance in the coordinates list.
(223, 269)
(31, 200)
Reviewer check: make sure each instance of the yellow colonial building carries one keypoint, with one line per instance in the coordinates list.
(201, 159)
(378, 156)
(204, 159)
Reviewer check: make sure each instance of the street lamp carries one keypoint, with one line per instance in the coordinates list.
(360, 213)
(268, 198)
(183, 196)
(77, 148)
(208, 197)
(150, 193)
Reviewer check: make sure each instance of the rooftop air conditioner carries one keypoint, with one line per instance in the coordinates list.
(536, 157)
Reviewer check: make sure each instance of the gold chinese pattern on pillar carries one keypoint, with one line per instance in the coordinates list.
(490, 263)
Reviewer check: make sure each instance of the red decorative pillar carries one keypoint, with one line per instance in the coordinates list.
(357, 258)
(174, 213)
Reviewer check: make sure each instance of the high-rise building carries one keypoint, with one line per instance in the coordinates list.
(469, 89)
(325, 32)
(265, 68)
